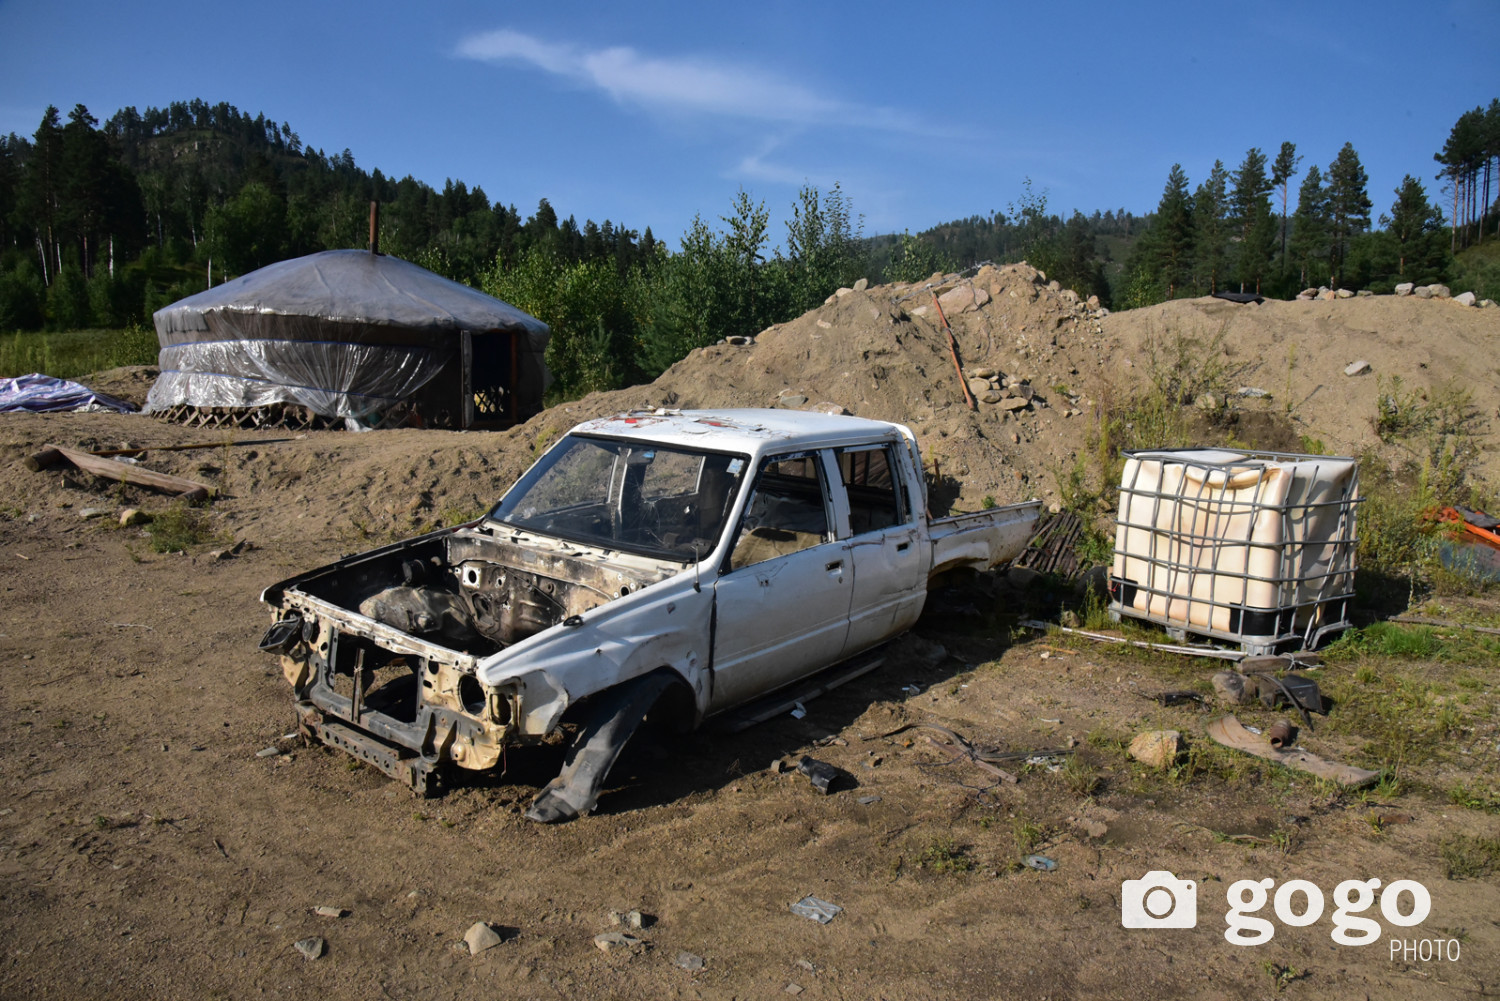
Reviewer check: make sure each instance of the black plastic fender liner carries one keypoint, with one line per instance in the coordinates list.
(613, 721)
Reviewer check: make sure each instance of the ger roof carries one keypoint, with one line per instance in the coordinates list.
(351, 286)
(739, 430)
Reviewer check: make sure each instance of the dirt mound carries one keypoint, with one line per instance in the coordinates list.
(1027, 349)
(1298, 352)
(1044, 366)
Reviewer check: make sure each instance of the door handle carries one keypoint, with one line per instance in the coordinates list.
(835, 565)
(903, 547)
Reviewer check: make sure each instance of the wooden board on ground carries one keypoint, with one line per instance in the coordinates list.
(1229, 732)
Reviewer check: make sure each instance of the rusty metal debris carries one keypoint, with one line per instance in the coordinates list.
(1281, 734)
(821, 774)
(1175, 697)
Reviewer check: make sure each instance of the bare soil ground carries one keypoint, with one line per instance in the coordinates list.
(147, 851)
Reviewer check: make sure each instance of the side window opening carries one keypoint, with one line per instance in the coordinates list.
(786, 513)
(870, 482)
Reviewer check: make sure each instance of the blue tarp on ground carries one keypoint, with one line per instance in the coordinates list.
(37, 394)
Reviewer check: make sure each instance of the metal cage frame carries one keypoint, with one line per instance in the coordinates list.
(1309, 601)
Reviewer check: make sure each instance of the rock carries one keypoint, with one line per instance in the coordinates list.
(843, 292)
(1156, 748)
(1422, 292)
(1464, 298)
(616, 941)
(1054, 286)
(311, 948)
(991, 396)
(1440, 291)
(481, 936)
(1329, 295)
(829, 408)
(1405, 288)
(921, 311)
(739, 340)
(830, 300)
(870, 800)
(1068, 295)
(628, 919)
(825, 324)
(1103, 312)
(984, 373)
(960, 299)
(325, 911)
(1253, 393)
(1344, 293)
(1487, 304)
(793, 401)
(1363, 293)
(862, 284)
(1092, 302)
(1208, 401)
(686, 960)
(133, 516)
(979, 386)
(92, 512)
(1306, 296)
(1011, 403)
(268, 752)
(1229, 686)
(1357, 368)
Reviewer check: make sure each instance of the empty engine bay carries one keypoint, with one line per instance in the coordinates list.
(477, 591)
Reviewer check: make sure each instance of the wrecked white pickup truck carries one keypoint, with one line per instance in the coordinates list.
(681, 563)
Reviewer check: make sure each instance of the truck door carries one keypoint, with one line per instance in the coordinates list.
(890, 582)
(782, 598)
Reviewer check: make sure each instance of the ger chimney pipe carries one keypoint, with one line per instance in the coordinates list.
(374, 224)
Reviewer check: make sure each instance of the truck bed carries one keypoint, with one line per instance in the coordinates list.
(983, 539)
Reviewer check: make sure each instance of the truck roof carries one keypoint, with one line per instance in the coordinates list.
(752, 431)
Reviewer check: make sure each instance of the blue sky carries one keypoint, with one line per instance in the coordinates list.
(649, 113)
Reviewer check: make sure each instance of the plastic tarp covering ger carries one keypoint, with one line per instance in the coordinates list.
(345, 333)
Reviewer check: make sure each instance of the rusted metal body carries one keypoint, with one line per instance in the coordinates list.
(692, 561)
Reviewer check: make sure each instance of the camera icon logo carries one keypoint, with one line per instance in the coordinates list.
(1158, 900)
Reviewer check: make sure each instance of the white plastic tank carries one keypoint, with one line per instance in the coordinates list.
(1250, 547)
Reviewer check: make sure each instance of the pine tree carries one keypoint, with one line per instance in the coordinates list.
(1170, 248)
(1282, 171)
(1210, 229)
(1252, 219)
(1415, 228)
(1309, 243)
(1348, 207)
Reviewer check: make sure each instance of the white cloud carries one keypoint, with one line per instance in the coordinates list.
(678, 84)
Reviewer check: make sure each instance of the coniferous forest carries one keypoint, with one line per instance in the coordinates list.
(101, 224)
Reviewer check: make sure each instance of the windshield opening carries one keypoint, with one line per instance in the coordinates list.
(637, 497)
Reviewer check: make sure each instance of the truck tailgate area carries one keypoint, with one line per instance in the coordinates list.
(983, 539)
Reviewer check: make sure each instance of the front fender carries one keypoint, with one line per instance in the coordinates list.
(666, 625)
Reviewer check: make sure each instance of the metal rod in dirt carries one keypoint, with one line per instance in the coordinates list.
(953, 352)
(1191, 651)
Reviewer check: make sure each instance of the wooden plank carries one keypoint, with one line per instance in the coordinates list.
(124, 472)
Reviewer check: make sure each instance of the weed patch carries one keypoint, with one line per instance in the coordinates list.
(1469, 857)
(181, 527)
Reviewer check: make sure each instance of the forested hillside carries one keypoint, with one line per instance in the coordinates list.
(100, 225)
